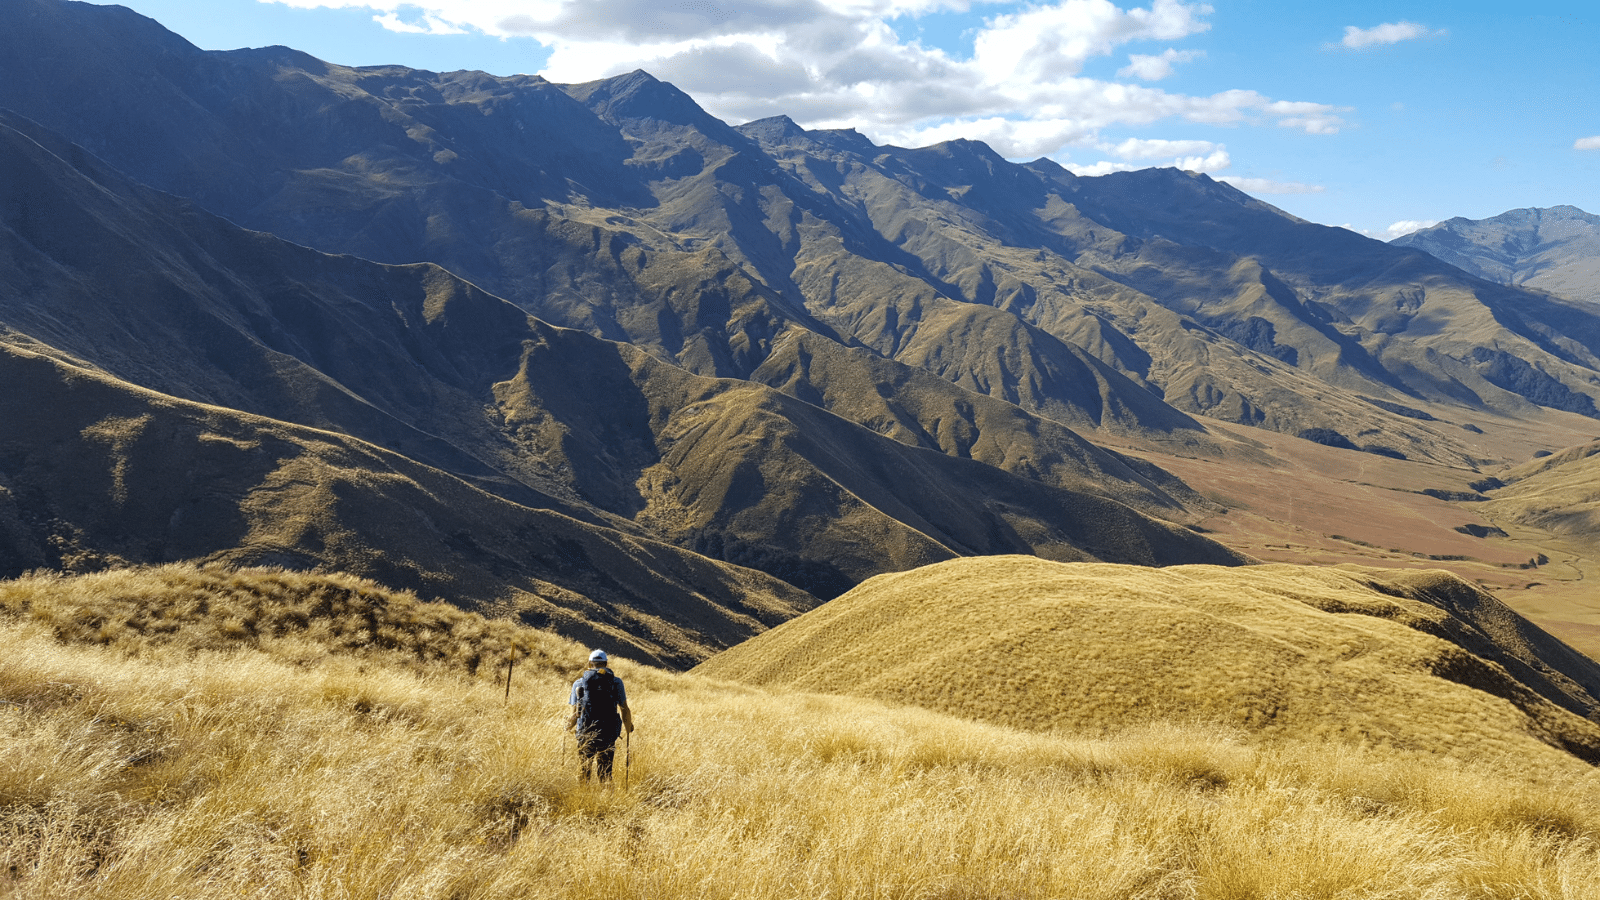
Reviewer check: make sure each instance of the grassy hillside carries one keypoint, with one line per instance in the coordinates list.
(1415, 661)
(198, 760)
(304, 617)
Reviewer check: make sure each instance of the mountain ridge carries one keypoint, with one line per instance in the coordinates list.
(668, 177)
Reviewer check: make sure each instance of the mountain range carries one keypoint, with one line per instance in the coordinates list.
(586, 354)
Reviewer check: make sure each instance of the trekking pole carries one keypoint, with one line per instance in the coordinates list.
(511, 665)
(627, 759)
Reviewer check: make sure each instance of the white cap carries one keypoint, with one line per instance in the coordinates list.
(597, 656)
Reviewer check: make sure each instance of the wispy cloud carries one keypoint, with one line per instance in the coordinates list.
(1143, 153)
(1387, 33)
(837, 63)
(1588, 143)
(1155, 68)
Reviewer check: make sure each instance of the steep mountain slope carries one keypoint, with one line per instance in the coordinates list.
(674, 294)
(1418, 661)
(1351, 311)
(412, 359)
(1555, 249)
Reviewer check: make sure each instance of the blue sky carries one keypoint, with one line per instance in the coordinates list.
(1364, 114)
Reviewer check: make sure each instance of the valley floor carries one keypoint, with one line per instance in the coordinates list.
(1325, 506)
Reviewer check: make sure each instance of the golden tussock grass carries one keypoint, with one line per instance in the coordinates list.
(166, 770)
(297, 615)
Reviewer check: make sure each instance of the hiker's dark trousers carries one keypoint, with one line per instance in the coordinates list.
(600, 745)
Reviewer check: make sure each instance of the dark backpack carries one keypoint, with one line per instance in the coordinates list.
(597, 700)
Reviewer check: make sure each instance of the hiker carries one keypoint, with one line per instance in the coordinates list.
(597, 696)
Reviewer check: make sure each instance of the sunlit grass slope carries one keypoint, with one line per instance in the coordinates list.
(159, 753)
(1416, 662)
(144, 758)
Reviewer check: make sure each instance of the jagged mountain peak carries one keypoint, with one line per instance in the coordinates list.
(1049, 168)
(1169, 186)
(1532, 217)
(1555, 248)
(972, 159)
(104, 19)
(640, 95)
(844, 137)
(963, 147)
(290, 58)
(772, 129)
(780, 130)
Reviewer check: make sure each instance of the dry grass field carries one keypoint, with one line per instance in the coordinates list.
(156, 755)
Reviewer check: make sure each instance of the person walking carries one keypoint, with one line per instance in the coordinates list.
(598, 715)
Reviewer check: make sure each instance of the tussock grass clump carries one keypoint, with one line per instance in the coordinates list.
(244, 771)
(298, 615)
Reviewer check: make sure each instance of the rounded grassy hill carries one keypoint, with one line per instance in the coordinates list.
(1415, 661)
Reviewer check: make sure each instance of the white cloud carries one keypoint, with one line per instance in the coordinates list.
(1155, 68)
(1144, 148)
(1313, 124)
(1191, 156)
(1588, 143)
(1212, 162)
(1387, 33)
(1014, 139)
(1406, 226)
(428, 25)
(1268, 186)
(839, 63)
(1053, 42)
